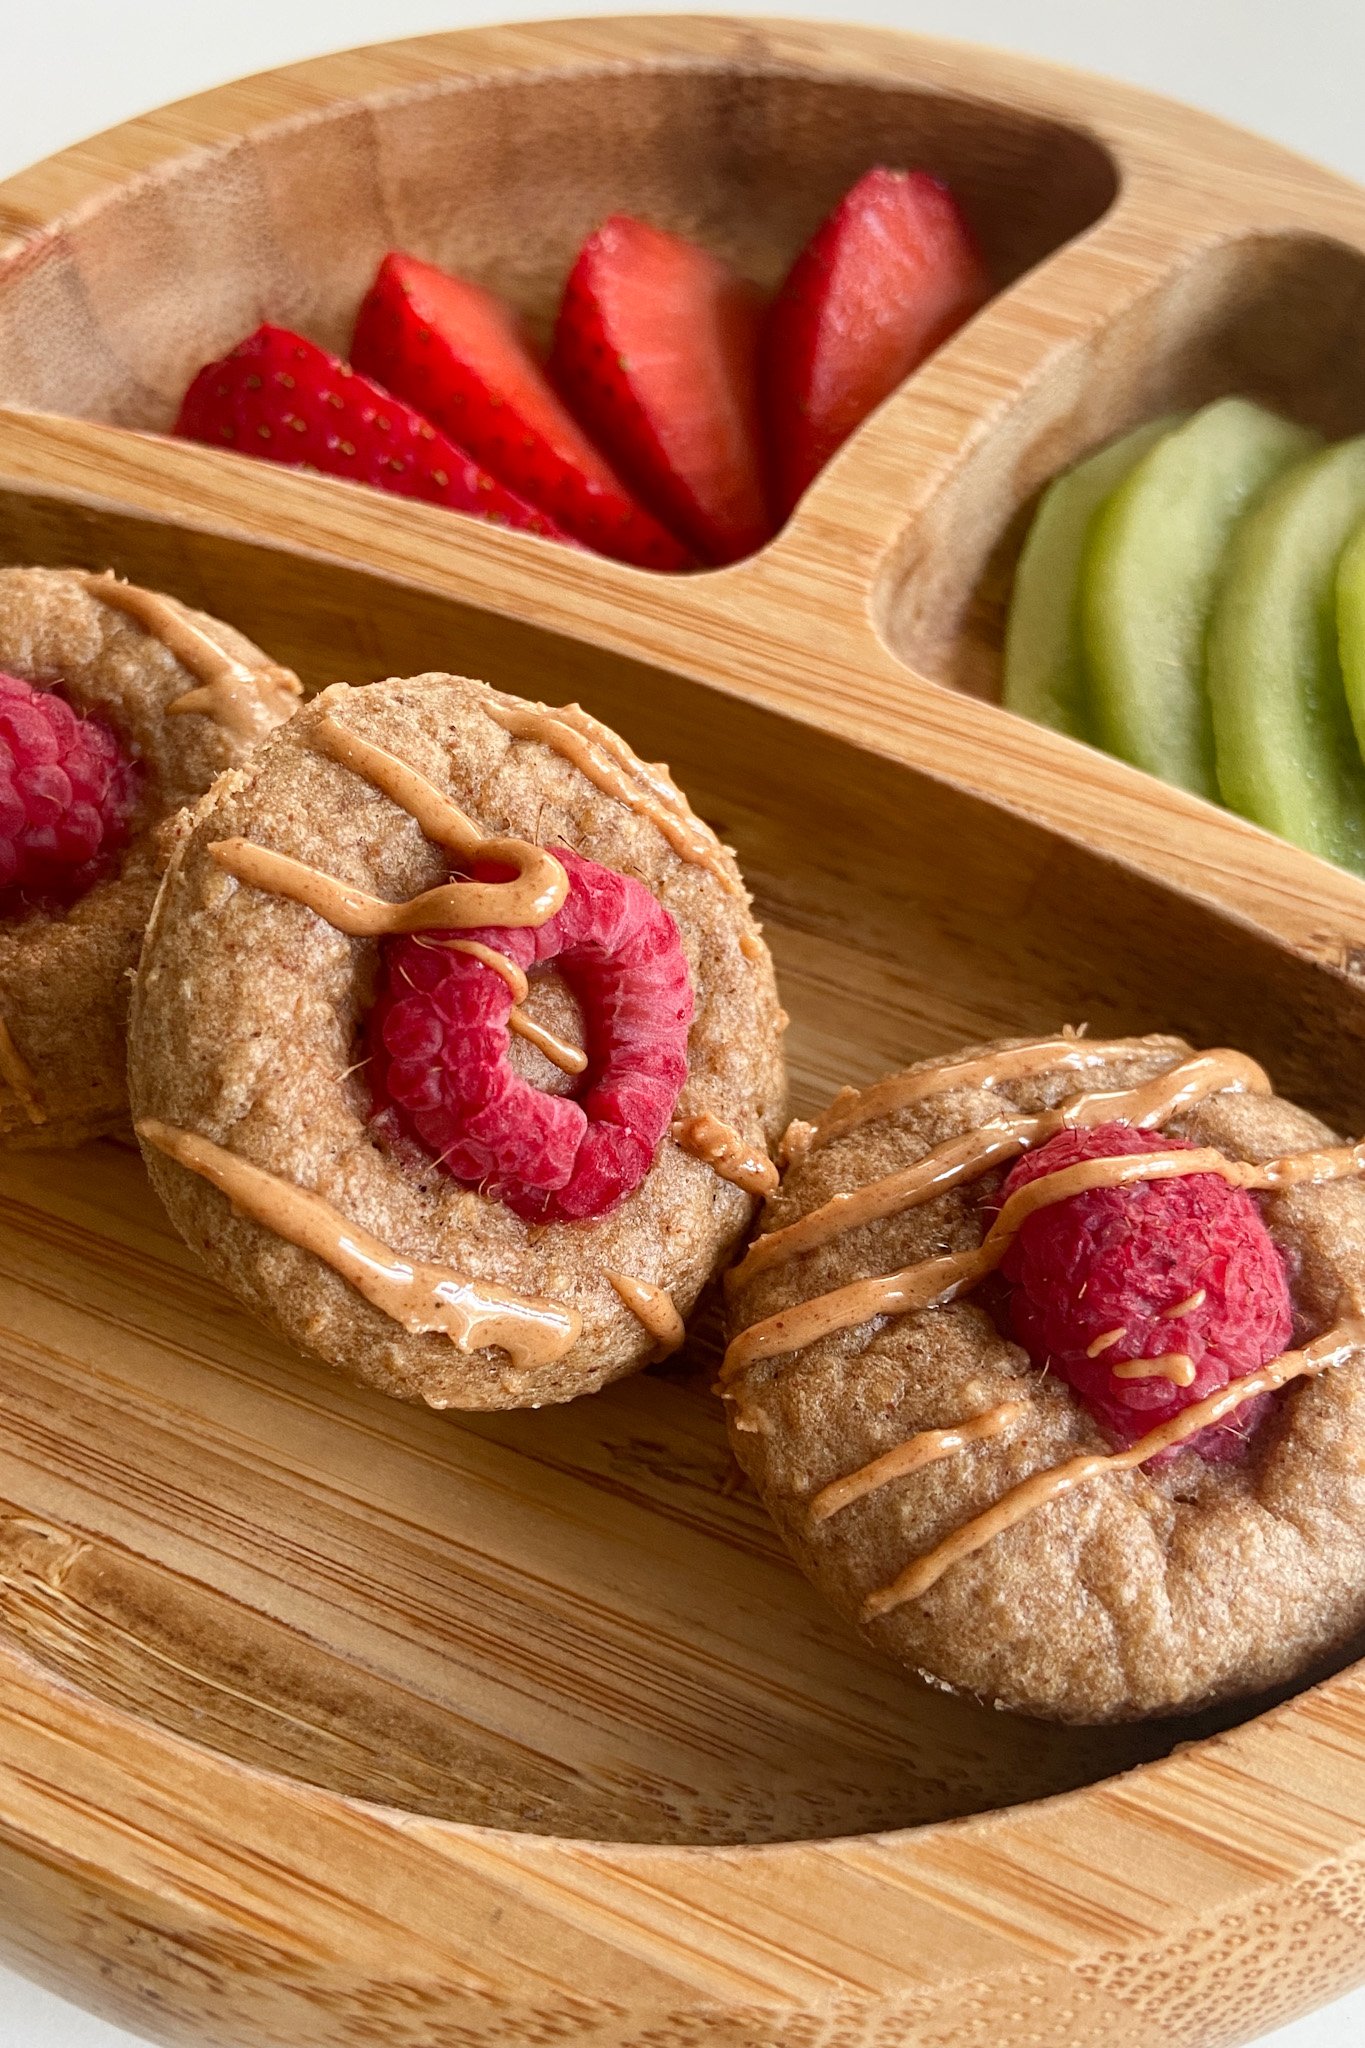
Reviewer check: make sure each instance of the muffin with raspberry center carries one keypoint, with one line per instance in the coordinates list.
(456, 1050)
(1050, 1365)
(117, 706)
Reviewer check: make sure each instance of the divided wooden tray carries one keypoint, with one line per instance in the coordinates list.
(325, 1721)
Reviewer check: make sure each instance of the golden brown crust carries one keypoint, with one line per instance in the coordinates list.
(1143, 1593)
(65, 980)
(245, 1018)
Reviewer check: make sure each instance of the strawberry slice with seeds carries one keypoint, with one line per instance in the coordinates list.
(287, 400)
(463, 358)
(656, 350)
(887, 277)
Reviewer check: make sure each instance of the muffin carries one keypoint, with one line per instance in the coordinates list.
(1046, 1364)
(117, 706)
(478, 1142)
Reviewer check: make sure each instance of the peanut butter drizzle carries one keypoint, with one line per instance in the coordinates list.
(1146, 1107)
(558, 1051)
(534, 896)
(707, 1138)
(1333, 1162)
(362, 916)
(947, 1166)
(794, 1143)
(1106, 1340)
(618, 773)
(852, 1107)
(653, 774)
(420, 1297)
(654, 1308)
(1334, 1348)
(491, 957)
(568, 1058)
(435, 816)
(1176, 1366)
(926, 1447)
(16, 1073)
(249, 701)
(935, 1281)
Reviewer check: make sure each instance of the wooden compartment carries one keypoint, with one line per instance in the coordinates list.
(327, 1721)
(1275, 317)
(291, 222)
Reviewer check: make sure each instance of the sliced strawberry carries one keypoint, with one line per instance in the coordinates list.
(885, 279)
(285, 399)
(656, 350)
(463, 358)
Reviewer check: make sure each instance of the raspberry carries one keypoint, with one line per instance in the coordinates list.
(1115, 1258)
(437, 1038)
(67, 792)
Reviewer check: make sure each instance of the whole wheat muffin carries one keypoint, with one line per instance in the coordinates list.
(551, 1094)
(1223, 1556)
(117, 707)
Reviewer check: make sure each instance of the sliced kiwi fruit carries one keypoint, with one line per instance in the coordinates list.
(1286, 751)
(1044, 674)
(1152, 561)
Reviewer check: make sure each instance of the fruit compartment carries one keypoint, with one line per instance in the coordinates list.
(109, 316)
(411, 1558)
(1275, 317)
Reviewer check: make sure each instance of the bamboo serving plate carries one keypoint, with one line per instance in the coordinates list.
(329, 1723)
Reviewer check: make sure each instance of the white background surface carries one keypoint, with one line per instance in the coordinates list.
(67, 67)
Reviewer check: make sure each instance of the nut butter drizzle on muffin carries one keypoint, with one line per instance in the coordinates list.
(948, 1165)
(721, 1147)
(531, 899)
(607, 761)
(245, 700)
(1335, 1347)
(653, 774)
(934, 1282)
(925, 1447)
(1176, 1366)
(420, 1296)
(853, 1106)
(566, 1057)
(653, 1307)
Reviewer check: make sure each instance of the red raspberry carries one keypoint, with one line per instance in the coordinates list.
(1115, 1258)
(437, 1039)
(67, 792)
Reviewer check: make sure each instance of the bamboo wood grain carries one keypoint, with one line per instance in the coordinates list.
(329, 1722)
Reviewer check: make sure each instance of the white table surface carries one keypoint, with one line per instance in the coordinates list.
(1296, 72)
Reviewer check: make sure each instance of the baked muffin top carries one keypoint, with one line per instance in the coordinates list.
(1145, 1587)
(181, 697)
(251, 1013)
